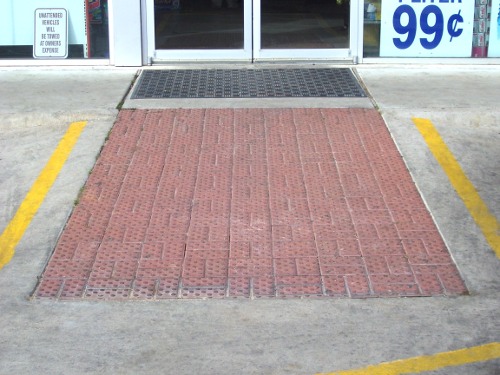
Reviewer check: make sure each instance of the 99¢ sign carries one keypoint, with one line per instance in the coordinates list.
(426, 28)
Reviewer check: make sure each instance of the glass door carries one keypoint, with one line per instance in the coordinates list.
(199, 30)
(247, 30)
(305, 29)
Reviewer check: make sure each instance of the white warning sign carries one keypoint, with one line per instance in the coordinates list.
(51, 33)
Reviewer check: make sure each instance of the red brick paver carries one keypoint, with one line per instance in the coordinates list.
(210, 203)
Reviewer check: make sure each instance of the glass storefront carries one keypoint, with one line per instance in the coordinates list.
(247, 30)
(441, 29)
(54, 29)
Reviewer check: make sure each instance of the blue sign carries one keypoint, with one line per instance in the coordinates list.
(432, 28)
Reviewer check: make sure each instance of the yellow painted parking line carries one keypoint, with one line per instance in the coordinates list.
(434, 362)
(31, 203)
(486, 221)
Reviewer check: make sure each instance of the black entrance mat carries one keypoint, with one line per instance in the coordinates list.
(247, 83)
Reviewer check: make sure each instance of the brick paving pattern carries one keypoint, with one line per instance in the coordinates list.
(254, 203)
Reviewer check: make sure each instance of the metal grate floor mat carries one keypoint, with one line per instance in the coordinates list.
(247, 83)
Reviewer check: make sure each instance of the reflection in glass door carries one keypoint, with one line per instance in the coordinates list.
(249, 29)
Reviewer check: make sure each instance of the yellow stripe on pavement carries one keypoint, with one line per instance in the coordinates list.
(430, 362)
(486, 221)
(31, 203)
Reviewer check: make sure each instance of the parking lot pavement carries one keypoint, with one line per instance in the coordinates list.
(296, 336)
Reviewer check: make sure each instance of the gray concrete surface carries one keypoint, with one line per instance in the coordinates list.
(462, 103)
(240, 336)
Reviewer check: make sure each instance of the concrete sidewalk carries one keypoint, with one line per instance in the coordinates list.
(250, 337)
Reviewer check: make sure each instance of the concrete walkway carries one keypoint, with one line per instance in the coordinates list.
(246, 336)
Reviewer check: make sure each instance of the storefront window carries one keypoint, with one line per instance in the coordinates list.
(54, 29)
(412, 28)
(371, 37)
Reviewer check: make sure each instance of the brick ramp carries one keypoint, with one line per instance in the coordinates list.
(255, 203)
